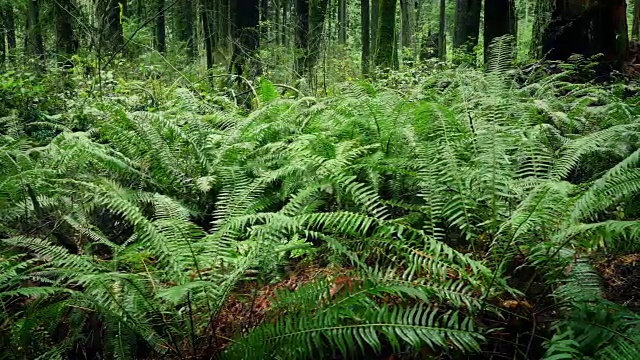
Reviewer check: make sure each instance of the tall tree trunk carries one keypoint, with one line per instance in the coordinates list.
(277, 20)
(588, 27)
(8, 24)
(207, 36)
(185, 21)
(365, 39)
(635, 30)
(247, 37)
(66, 43)
(264, 18)
(386, 34)
(375, 24)
(342, 21)
(302, 35)
(34, 40)
(161, 30)
(317, 14)
(111, 36)
(467, 25)
(442, 38)
(3, 47)
(284, 30)
(543, 12)
(499, 20)
(140, 10)
(408, 24)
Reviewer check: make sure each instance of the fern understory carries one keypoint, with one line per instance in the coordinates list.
(460, 217)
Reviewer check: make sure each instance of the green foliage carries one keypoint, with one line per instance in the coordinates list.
(146, 224)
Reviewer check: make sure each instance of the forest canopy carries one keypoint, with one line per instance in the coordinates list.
(293, 179)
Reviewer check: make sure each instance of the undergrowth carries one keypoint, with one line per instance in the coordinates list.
(449, 210)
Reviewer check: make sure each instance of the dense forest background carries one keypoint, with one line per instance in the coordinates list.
(333, 179)
(319, 42)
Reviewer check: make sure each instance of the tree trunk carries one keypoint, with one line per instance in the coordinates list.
(364, 17)
(161, 30)
(277, 21)
(408, 24)
(185, 22)
(246, 38)
(264, 18)
(442, 38)
(111, 36)
(342, 21)
(302, 35)
(3, 47)
(467, 25)
(207, 36)
(9, 26)
(66, 43)
(375, 23)
(318, 12)
(543, 12)
(386, 34)
(34, 41)
(499, 20)
(588, 28)
(285, 22)
(635, 30)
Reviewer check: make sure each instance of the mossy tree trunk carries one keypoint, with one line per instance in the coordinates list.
(66, 42)
(342, 21)
(386, 34)
(635, 30)
(365, 40)
(34, 42)
(185, 26)
(375, 24)
(467, 25)
(408, 12)
(499, 20)
(588, 27)
(161, 29)
(111, 36)
(10, 26)
(246, 38)
(301, 36)
(207, 35)
(543, 12)
(442, 35)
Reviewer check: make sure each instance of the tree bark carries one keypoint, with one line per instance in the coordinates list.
(8, 24)
(247, 38)
(317, 15)
(264, 18)
(302, 35)
(34, 40)
(161, 30)
(635, 30)
(342, 21)
(111, 36)
(588, 28)
(442, 38)
(408, 24)
(66, 43)
(375, 23)
(499, 20)
(543, 12)
(207, 36)
(285, 22)
(185, 22)
(366, 53)
(467, 25)
(386, 34)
